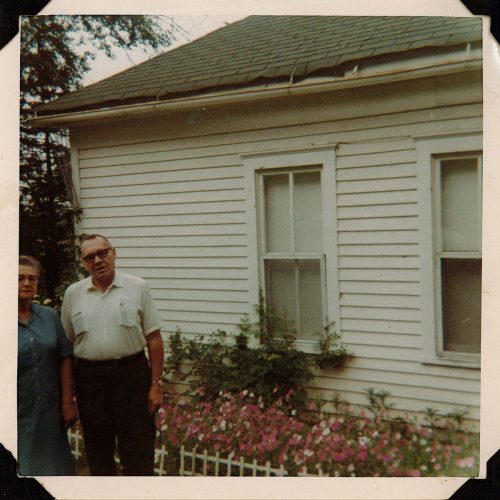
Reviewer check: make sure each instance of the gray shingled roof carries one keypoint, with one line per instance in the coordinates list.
(268, 48)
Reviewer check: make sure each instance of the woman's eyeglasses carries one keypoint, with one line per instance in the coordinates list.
(102, 254)
(30, 277)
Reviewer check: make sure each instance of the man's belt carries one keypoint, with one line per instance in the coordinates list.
(109, 362)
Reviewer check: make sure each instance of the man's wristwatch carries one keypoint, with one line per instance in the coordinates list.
(158, 381)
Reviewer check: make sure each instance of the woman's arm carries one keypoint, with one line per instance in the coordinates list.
(68, 407)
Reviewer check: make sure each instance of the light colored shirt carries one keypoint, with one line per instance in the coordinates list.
(110, 324)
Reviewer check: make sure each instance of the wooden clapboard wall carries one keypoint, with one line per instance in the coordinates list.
(169, 192)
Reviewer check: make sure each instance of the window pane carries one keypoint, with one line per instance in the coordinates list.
(287, 277)
(310, 298)
(280, 276)
(307, 212)
(460, 205)
(277, 209)
(461, 281)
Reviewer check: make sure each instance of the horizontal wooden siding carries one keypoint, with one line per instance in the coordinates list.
(174, 208)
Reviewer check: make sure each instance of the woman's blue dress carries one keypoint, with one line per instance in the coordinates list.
(42, 441)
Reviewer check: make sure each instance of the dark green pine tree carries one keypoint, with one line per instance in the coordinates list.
(56, 52)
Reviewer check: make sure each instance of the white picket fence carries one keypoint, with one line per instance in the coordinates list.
(203, 464)
(193, 463)
(76, 444)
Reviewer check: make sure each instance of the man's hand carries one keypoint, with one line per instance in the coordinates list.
(69, 413)
(155, 398)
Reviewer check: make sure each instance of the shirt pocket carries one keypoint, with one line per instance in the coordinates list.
(79, 324)
(128, 314)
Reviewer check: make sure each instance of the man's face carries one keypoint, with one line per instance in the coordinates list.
(28, 282)
(102, 268)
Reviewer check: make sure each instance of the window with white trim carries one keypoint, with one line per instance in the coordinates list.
(291, 247)
(457, 206)
(291, 222)
(450, 200)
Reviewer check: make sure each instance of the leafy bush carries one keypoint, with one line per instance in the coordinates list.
(227, 364)
(273, 369)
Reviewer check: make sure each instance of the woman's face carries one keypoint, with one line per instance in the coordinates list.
(28, 282)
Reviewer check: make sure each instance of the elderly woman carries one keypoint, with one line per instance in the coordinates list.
(44, 382)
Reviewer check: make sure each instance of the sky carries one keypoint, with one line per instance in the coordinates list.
(189, 28)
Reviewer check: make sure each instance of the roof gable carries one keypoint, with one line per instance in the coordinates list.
(269, 48)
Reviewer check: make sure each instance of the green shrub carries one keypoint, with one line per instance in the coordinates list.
(275, 369)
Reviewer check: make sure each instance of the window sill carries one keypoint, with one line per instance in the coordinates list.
(307, 346)
(454, 361)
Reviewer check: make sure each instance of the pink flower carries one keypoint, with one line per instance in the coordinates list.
(413, 473)
(335, 426)
(466, 462)
(423, 432)
(311, 406)
(352, 442)
(363, 454)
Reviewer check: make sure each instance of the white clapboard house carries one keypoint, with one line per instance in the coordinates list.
(332, 162)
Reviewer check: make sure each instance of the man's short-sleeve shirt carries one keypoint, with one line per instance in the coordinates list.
(110, 324)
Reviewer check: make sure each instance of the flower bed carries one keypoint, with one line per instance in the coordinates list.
(347, 444)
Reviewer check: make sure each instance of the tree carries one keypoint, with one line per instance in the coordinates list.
(56, 52)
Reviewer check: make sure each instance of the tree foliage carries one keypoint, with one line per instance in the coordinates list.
(56, 52)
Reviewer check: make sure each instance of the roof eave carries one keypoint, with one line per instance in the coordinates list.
(252, 93)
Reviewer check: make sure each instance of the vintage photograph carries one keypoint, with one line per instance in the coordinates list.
(252, 250)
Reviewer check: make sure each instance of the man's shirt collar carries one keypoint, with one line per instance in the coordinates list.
(117, 281)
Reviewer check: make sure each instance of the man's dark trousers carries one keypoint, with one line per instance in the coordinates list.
(112, 401)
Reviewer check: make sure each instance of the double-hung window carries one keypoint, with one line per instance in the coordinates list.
(291, 209)
(291, 246)
(457, 204)
(450, 187)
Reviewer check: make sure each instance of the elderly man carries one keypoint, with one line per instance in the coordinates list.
(110, 317)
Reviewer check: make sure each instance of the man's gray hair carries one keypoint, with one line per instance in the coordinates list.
(86, 237)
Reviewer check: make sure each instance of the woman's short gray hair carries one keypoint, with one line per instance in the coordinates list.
(28, 260)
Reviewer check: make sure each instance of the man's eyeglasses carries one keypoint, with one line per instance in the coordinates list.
(30, 277)
(102, 254)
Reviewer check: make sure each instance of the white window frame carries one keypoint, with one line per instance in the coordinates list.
(320, 158)
(430, 148)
